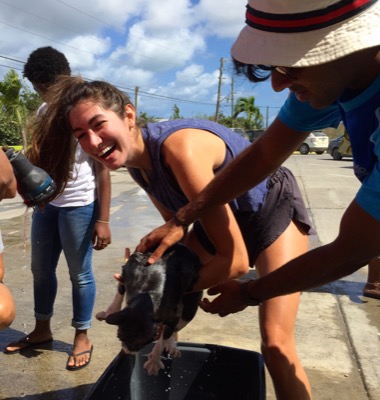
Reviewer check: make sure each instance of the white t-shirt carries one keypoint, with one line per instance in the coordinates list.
(81, 188)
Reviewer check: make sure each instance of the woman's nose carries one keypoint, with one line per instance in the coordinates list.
(93, 139)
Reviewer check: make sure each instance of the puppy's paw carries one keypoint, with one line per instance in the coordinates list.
(174, 352)
(153, 365)
(114, 307)
(171, 347)
(101, 315)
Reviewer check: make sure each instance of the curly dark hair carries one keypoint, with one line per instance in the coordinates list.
(45, 64)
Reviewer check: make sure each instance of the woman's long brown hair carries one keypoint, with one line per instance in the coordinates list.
(53, 144)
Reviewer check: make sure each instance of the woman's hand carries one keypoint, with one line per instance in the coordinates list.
(165, 236)
(229, 300)
(101, 236)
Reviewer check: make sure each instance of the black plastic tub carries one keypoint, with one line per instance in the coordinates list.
(203, 372)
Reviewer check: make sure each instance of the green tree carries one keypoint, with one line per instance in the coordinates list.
(13, 104)
(176, 112)
(144, 118)
(9, 133)
(247, 106)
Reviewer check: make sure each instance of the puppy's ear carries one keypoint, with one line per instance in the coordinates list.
(119, 317)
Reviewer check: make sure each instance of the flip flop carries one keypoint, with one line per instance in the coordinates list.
(374, 294)
(76, 368)
(28, 345)
(372, 290)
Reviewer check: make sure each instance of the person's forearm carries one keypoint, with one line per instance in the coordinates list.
(219, 269)
(303, 273)
(103, 179)
(358, 241)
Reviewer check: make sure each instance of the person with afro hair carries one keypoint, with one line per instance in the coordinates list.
(75, 222)
(43, 67)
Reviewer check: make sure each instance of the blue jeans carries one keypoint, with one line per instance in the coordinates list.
(69, 229)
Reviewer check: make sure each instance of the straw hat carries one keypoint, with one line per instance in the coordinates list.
(300, 33)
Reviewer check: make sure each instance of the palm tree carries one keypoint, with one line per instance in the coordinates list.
(11, 103)
(176, 112)
(247, 105)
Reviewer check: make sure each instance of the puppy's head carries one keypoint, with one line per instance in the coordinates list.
(136, 325)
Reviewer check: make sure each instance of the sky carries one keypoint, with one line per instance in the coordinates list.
(169, 52)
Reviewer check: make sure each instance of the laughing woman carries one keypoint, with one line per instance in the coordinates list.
(173, 161)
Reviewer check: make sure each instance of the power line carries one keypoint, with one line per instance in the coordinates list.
(12, 59)
(92, 38)
(141, 92)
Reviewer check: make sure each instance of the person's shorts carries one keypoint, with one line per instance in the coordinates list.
(283, 204)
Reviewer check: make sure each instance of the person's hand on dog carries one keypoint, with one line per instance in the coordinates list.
(165, 236)
(101, 237)
(229, 300)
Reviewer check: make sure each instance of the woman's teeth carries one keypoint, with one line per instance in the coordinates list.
(104, 151)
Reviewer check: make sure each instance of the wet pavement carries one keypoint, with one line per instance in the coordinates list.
(337, 330)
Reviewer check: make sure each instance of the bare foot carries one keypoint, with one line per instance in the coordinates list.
(29, 341)
(82, 350)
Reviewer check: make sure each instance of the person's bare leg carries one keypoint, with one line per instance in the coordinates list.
(7, 305)
(277, 321)
(372, 286)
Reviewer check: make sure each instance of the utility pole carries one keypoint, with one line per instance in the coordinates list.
(136, 97)
(219, 89)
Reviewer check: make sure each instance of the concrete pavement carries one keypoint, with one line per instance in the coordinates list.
(337, 329)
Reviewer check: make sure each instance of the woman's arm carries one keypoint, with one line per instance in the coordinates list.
(102, 233)
(192, 156)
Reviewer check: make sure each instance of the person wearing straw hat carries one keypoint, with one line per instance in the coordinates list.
(328, 55)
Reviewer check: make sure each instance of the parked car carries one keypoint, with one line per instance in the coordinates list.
(340, 147)
(254, 134)
(316, 141)
(241, 132)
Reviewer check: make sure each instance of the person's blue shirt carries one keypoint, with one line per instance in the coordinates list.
(360, 116)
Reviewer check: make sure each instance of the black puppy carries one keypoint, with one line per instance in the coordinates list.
(156, 295)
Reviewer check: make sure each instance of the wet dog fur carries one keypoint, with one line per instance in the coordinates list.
(156, 296)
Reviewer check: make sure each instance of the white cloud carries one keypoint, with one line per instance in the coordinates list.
(170, 47)
(222, 18)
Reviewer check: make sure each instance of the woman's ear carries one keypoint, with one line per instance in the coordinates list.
(130, 113)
